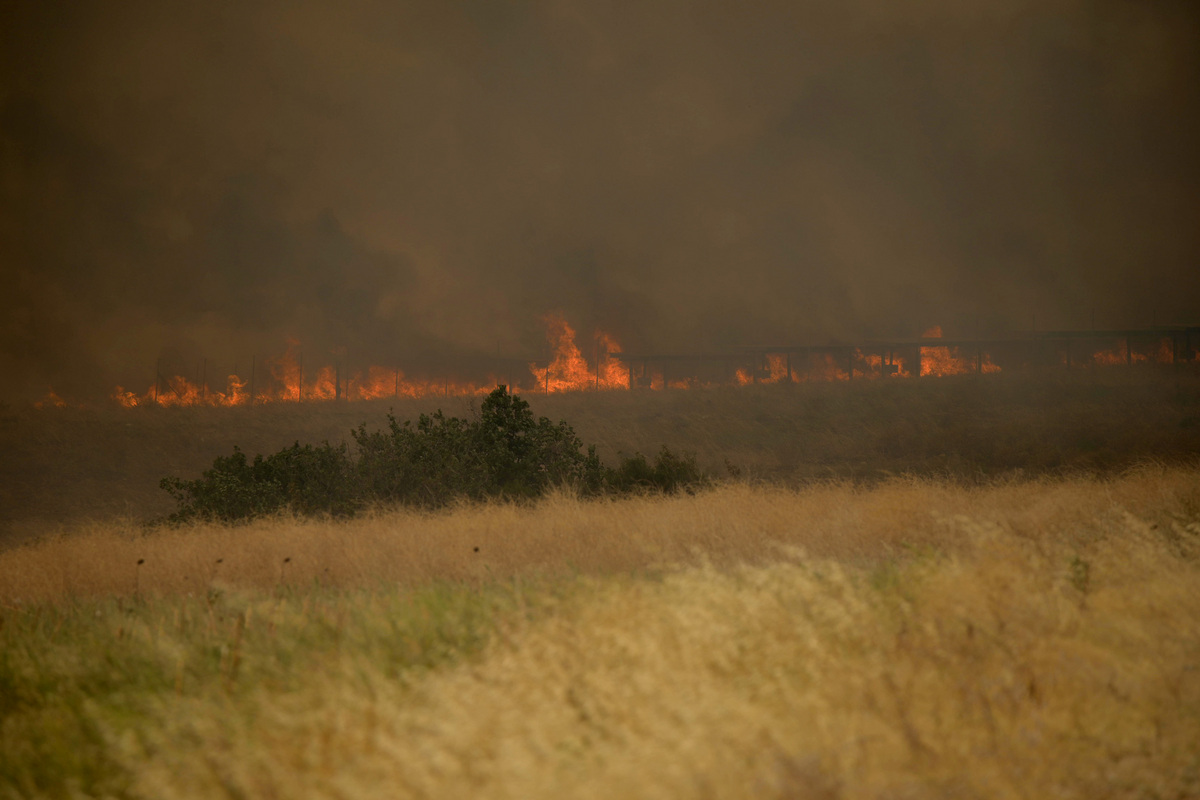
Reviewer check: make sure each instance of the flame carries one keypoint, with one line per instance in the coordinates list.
(1111, 358)
(1163, 353)
(824, 367)
(179, 391)
(290, 380)
(51, 400)
(568, 370)
(874, 365)
(775, 370)
(287, 378)
(942, 361)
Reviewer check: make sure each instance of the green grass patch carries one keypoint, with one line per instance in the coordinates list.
(77, 678)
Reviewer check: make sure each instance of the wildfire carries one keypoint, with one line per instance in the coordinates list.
(778, 368)
(289, 384)
(941, 361)
(1161, 354)
(287, 378)
(568, 370)
(875, 364)
(179, 391)
(51, 400)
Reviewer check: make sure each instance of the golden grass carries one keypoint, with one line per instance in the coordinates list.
(561, 535)
(996, 672)
(1024, 639)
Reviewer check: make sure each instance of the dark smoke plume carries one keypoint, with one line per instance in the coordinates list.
(419, 182)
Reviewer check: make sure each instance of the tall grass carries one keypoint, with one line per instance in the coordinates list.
(918, 639)
(736, 522)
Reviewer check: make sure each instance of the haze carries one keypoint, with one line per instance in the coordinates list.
(420, 182)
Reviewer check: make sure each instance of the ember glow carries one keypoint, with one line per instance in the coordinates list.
(875, 364)
(1160, 353)
(51, 400)
(820, 367)
(942, 361)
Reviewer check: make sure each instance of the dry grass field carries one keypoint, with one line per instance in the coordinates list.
(956, 588)
(1035, 638)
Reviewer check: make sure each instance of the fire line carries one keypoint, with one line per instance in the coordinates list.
(568, 368)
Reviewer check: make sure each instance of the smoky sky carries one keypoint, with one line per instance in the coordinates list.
(420, 182)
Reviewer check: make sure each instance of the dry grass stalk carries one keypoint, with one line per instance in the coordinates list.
(736, 523)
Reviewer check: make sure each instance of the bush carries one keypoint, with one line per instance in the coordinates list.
(504, 452)
(309, 480)
(669, 474)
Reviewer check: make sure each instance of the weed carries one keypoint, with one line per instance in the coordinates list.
(1081, 574)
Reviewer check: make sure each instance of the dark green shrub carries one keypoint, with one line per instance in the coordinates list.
(504, 452)
(426, 464)
(309, 480)
(526, 457)
(232, 489)
(316, 480)
(669, 473)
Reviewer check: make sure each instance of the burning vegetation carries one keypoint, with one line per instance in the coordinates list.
(568, 367)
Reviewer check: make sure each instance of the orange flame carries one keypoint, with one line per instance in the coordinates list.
(179, 391)
(874, 365)
(824, 367)
(51, 400)
(1163, 353)
(288, 379)
(942, 361)
(568, 370)
(291, 381)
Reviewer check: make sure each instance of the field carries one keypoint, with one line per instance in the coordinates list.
(987, 587)
(67, 466)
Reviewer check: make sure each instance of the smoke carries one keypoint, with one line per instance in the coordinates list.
(420, 182)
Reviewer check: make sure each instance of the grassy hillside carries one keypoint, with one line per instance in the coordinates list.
(915, 639)
(63, 465)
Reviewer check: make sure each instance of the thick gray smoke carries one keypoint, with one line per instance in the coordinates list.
(418, 182)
